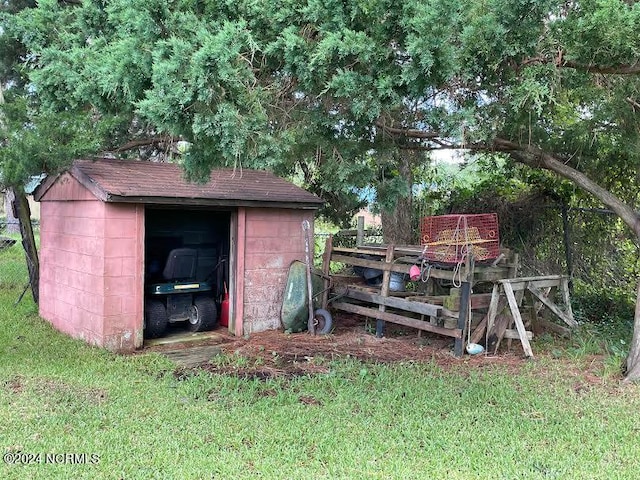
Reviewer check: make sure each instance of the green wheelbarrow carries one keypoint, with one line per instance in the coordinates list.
(295, 304)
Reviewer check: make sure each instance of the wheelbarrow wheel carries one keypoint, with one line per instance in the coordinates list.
(323, 321)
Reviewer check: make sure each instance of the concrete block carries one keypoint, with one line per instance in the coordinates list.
(120, 247)
(121, 228)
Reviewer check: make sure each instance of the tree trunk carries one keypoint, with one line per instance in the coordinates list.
(22, 211)
(13, 225)
(633, 360)
(397, 225)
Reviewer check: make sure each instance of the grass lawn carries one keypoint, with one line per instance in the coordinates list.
(563, 416)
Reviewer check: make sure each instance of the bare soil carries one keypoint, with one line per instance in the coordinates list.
(277, 354)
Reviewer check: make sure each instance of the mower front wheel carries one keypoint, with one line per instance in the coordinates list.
(155, 319)
(203, 314)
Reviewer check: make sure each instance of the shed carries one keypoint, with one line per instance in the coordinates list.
(104, 222)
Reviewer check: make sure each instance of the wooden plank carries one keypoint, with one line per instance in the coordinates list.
(396, 267)
(238, 293)
(186, 336)
(564, 287)
(553, 307)
(478, 301)
(481, 273)
(408, 305)
(490, 274)
(415, 252)
(513, 268)
(410, 250)
(515, 312)
(351, 232)
(432, 299)
(478, 333)
(481, 329)
(537, 304)
(545, 324)
(404, 294)
(462, 318)
(533, 310)
(191, 357)
(365, 251)
(395, 318)
(384, 292)
(514, 335)
(367, 263)
(532, 279)
(233, 268)
(493, 307)
(360, 231)
(495, 335)
(522, 285)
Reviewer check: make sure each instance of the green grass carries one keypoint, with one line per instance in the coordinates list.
(13, 269)
(555, 417)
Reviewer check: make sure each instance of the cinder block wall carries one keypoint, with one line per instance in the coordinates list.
(123, 276)
(274, 239)
(91, 262)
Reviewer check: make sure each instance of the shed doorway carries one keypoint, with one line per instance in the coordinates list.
(187, 263)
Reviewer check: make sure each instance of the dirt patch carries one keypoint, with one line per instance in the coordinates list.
(54, 389)
(352, 338)
(14, 384)
(274, 354)
(59, 389)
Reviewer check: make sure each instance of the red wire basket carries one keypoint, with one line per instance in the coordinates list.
(452, 238)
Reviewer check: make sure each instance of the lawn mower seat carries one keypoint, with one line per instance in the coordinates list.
(181, 265)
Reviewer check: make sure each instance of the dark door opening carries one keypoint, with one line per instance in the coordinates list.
(186, 269)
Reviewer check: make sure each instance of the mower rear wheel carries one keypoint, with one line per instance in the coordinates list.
(203, 314)
(155, 319)
(323, 321)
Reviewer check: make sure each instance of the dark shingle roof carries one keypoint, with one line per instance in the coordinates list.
(135, 181)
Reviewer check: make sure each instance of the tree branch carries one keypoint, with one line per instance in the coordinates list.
(633, 102)
(144, 142)
(632, 69)
(537, 158)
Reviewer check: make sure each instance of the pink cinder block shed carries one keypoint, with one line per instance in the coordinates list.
(105, 223)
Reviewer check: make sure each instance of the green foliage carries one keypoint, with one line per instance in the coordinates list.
(333, 92)
(41, 141)
(601, 306)
(603, 31)
(13, 274)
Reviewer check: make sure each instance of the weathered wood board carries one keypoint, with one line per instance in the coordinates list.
(192, 356)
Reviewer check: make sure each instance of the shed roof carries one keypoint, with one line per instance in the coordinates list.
(135, 181)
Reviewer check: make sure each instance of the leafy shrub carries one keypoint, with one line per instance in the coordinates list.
(606, 314)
